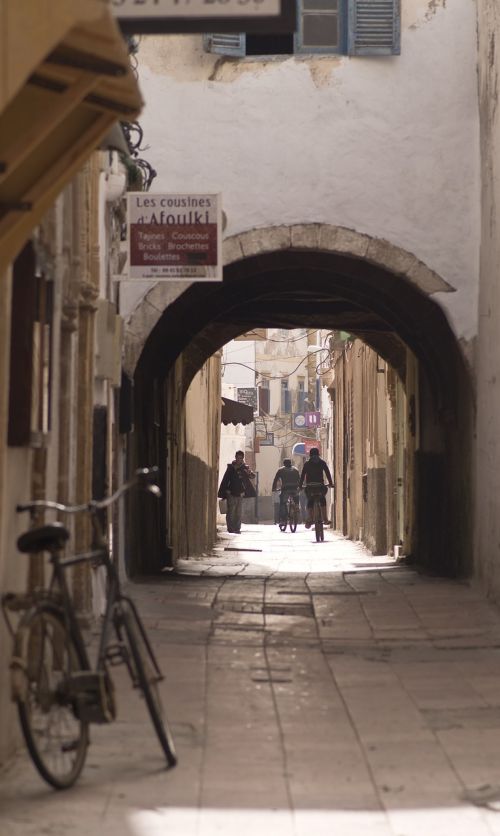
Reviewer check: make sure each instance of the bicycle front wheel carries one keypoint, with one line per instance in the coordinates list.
(145, 676)
(56, 738)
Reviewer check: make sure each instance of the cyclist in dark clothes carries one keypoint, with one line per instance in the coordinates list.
(289, 478)
(313, 471)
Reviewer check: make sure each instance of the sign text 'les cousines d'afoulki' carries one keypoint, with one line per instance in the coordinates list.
(175, 237)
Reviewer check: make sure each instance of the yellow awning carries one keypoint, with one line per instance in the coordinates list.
(65, 79)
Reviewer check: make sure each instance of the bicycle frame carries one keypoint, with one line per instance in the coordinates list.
(99, 556)
(315, 493)
(57, 689)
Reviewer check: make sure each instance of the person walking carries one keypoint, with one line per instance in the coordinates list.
(313, 471)
(236, 484)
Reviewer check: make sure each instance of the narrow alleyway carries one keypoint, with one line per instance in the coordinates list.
(312, 690)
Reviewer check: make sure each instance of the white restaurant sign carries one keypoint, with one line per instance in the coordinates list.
(176, 237)
(184, 16)
(196, 8)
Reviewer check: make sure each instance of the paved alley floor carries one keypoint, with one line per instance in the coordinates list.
(313, 690)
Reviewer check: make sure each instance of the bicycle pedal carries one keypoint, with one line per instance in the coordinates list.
(116, 654)
(93, 695)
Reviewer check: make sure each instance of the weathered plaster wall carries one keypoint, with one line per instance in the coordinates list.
(384, 146)
(199, 464)
(488, 384)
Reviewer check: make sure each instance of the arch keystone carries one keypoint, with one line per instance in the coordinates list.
(265, 240)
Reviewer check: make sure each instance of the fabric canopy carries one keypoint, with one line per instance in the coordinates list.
(234, 412)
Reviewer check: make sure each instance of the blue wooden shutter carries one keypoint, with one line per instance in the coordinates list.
(228, 44)
(374, 27)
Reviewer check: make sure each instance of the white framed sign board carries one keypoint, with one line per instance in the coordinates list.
(174, 237)
(166, 16)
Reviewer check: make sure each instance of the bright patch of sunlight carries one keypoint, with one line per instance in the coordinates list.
(305, 564)
(264, 549)
(179, 821)
(221, 822)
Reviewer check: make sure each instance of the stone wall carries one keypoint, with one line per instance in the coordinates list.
(487, 522)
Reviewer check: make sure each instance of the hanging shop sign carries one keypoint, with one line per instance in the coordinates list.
(248, 395)
(309, 443)
(268, 441)
(313, 419)
(137, 17)
(175, 237)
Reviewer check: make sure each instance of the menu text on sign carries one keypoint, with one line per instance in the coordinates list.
(174, 237)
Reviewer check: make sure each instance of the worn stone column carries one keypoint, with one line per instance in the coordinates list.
(69, 325)
(86, 219)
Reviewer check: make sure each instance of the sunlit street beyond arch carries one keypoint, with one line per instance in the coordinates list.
(312, 688)
(264, 550)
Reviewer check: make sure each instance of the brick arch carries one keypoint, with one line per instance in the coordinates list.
(315, 237)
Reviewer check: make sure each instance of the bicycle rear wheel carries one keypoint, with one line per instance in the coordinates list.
(293, 518)
(56, 738)
(146, 676)
(282, 526)
(318, 523)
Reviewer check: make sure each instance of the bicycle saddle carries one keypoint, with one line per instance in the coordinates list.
(46, 537)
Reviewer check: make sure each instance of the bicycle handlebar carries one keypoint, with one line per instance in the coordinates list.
(316, 485)
(142, 478)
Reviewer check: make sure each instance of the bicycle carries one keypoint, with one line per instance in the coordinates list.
(292, 513)
(317, 494)
(57, 690)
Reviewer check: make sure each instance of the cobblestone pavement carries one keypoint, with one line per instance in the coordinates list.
(312, 690)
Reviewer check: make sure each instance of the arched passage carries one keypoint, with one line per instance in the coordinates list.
(330, 278)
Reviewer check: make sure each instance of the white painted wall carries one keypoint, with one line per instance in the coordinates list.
(268, 462)
(386, 146)
(238, 364)
(232, 437)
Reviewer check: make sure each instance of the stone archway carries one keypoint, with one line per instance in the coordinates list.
(320, 276)
(297, 238)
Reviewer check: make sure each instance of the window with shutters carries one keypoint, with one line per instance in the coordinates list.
(347, 27)
(301, 395)
(264, 397)
(286, 397)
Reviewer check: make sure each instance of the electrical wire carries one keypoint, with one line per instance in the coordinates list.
(285, 339)
(275, 377)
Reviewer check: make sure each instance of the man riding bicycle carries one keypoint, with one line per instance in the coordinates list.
(289, 478)
(313, 471)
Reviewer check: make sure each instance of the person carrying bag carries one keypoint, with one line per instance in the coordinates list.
(236, 484)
